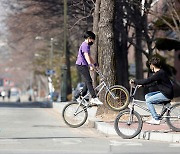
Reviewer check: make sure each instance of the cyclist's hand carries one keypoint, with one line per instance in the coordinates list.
(96, 68)
(131, 82)
(91, 68)
(139, 86)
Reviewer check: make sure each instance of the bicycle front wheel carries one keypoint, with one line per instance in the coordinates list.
(74, 114)
(128, 125)
(117, 98)
(173, 117)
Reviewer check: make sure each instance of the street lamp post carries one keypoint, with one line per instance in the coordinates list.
(51, 53)
(51, 50)
(64, 66)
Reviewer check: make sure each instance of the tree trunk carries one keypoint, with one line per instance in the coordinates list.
(106, 40)
(106, 45)
(94, 52)
(138, 59)
(121, 45)
(69, 85)
(138, 47)
(138, 55)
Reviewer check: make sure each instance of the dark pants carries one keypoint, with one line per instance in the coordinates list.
(84, 71)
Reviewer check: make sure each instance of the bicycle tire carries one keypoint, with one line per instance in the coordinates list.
(70, 118)
(121, 100)
(126, 129)
(173, 117)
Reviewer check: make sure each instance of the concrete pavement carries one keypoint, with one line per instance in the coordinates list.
(149, 132)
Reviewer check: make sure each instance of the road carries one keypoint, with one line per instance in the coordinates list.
(29, 129)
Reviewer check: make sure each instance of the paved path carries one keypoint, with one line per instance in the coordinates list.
(27, 128)
(149, 132)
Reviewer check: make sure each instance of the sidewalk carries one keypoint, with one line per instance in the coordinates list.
(149, 132)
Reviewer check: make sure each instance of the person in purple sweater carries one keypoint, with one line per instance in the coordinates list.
(164, 88)
(85, 63)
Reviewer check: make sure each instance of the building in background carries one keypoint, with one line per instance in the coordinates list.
(6, 84)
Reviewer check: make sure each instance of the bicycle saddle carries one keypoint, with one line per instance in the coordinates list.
(166, 102)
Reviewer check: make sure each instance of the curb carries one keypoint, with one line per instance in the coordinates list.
(107, 129)
(46, 104)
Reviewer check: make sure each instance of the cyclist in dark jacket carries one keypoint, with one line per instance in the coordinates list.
(164, 85)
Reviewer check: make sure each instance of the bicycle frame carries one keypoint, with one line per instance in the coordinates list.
(133, 103)
(101, 86)
(76, 113)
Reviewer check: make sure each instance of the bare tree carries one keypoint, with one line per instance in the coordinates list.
(29, 19)
(168, 16)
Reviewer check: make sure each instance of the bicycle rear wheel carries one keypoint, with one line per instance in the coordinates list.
(128, 125)
(74, 114)
(117, 98)
(173, 119)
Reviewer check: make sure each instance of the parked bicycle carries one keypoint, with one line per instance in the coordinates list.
(117, 97)
(128, 123)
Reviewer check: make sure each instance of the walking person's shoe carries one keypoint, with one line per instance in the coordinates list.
(153, 121)
(95, 101)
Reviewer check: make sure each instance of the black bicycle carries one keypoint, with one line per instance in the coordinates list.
(128, 122)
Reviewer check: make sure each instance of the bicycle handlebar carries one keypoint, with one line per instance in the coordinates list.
(99, 72)
(135, 89)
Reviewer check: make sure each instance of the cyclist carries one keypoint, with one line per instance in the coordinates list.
(164, 85)
(85, 62)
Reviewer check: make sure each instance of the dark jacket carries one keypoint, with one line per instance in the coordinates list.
(163, 83)
(151, 87)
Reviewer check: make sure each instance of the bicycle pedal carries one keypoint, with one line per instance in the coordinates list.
(94, 105)
(160, 117)
(91, 105)
(85, 108)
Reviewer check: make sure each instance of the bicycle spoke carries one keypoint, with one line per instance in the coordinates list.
(117, 98)
(127, 125)
(173, 119)
(74, 115)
